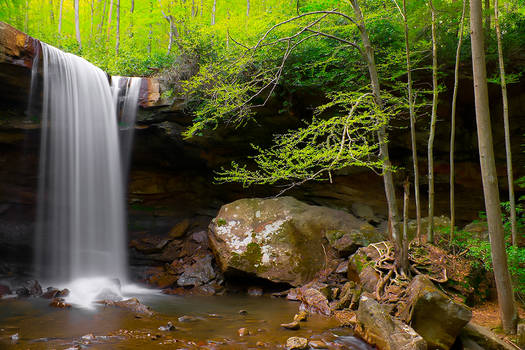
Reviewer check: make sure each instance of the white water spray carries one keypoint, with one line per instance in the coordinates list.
(80, 224)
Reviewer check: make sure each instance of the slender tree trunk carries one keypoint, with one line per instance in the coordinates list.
(60, 18)
(102, 17)
(453, 124)
(487, 22)
(432, 129)
(404, 251)
(109, 18)
(193, 9)
(92, 15)
(131, 18)
(510, 176)
(411, 102)
(77, 25)
(382, 133)
(247, 8)
(202, 8)
(51, 13)
(213, 12)
(26, 21)
(150, 34)
(117, 40)
(489, 176)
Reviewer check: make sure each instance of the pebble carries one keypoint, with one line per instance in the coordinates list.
(243, 332)
(186, 318)
(168, 327)
(292, 325)
(302, 316)
(243, 312)
(296, 343)
(317, 344)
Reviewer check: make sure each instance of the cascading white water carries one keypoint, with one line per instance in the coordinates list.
(80, 225)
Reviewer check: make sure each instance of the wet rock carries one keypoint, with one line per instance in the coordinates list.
(89, 336)
(163, 279)
(150, 244)
(360, 268)
(296, 343)
(292, 325)
(4, 290)
(345, 318)
(279, 239)
(30, 289)
(132, 304)
(255, 291)
(243, 332)
(302, 316)
(378, 328)
(187, 318)
(169, 327)
(317, 344)
(314, 301)
(200, 237)
(179, 229)
(59, 303)
(50, 293)
(199, 273)
(342, 268)
(243, 312)
(433, 315)
(484, 337)
(349, 296)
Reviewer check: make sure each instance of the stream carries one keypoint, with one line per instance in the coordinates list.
(200, 323)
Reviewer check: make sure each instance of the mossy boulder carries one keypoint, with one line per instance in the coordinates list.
(378, 328)
(281, 239)
(434, 315)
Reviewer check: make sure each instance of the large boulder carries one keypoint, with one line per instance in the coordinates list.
(434, 315)
(280, 239)
(377, 327)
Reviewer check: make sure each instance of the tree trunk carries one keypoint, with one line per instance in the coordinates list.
(92, 15)
(26, 21)
(404, 251)
(382, 133)
(488, 173)
(202, 8)
(77, 25)
(193, 9)
(170, 44)
(213, 12)
(453, 124)
(109, 18)
(131, 18)
(102, 18)
(411, 102)
(117, 40)
(51, 13)
(510, 176)
(432, 129)
(247, 8)
(60, 18)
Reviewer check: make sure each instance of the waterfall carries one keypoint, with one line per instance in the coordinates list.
(81, 222)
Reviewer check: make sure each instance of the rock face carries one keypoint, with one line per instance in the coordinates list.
(433, 315)
(483, 337)
(378, 328)
(280, 239)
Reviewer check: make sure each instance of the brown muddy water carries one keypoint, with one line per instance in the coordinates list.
(210, 323)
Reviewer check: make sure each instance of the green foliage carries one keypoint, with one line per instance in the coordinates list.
(479, 249)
